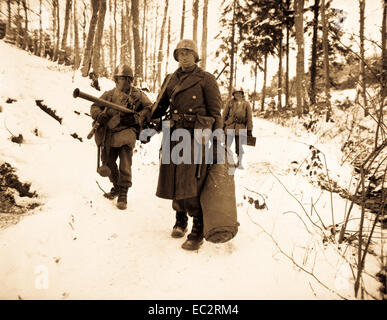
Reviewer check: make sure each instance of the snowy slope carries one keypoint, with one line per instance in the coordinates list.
(78, 245)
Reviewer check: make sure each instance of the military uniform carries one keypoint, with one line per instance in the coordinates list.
(118, 136)
(237, 115)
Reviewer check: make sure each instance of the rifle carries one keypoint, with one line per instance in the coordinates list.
(101, 102)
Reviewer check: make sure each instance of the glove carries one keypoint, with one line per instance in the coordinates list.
(249, 133)
(102, 118)
(142, 116)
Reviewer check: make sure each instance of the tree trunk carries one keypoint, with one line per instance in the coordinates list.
(153, 59)
(326, 61)
(313, 64)
(195, 14)
(255, 84)
(40, 29)
(232, 52)
(264, 83)
(111, 44)
(56, 53)
(66, 25)
(136, 39)
(280, 74)
(9, 26)
(160, 55)
(124, 41)
(115, 33)
(383, 89)
(362, 60)
(287, 55)
(77, 57)
(299, 7)
(84, 26)
(87, 55)
(98, 37)
(25, 40)
(129, 51)
(204, 36)
(54, 4)
(146, 56)
(18, 26)
(182, 21)
(168, 44)
(143, 36)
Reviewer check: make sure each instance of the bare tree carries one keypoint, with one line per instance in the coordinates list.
(9, 26)
(362, 58)
(280, 53)
(56, 51)
(313, 63)
(204, 35)
(264, 82)
(86, 64)
(168, 43)
(326, 61)
(25, 44)
(77, 57)
(195, 14)
(98, 37)
(115, 33)
(129, 51)
(136, 39)
(66, 24)
(182, 21)
(160, 55)
(40, 29)
(124, 41)
(232, 51)
(287, 55)
(111, 60)
(299, 7)
(143, 35)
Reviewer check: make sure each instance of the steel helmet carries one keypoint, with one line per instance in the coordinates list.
(123, 70)
(187, 44)
(235, 90)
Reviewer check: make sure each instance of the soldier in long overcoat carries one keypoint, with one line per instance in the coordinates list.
(193, 100)
(118, 131)
(237, 116)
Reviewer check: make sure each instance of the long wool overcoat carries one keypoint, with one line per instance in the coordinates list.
(196, 93)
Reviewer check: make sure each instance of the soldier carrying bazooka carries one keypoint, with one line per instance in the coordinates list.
(118, 118)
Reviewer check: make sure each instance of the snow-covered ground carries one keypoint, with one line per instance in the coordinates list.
(78, 245)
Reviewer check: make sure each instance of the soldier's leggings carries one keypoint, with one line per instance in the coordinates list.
(123, 175)
(190, 205)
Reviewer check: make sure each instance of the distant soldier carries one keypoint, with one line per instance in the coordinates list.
(237, 115)
(118, 131)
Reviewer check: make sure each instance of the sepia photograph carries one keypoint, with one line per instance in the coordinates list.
(207, 151)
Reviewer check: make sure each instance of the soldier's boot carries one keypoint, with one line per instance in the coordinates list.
(122, 198)
(195, 238)
(113, 192)
(180, 227)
